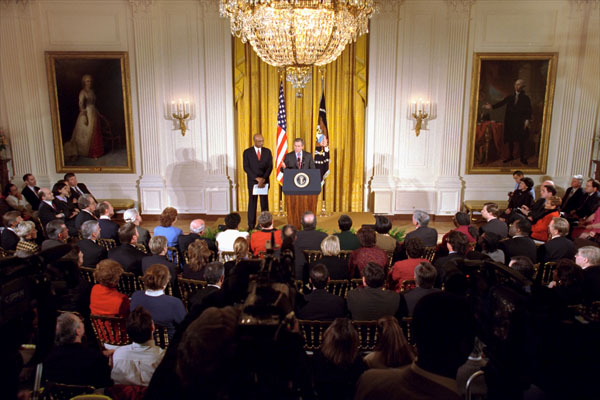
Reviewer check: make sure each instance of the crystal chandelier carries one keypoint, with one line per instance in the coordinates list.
(298, 34)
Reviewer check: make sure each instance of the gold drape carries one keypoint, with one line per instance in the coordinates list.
(256, 87)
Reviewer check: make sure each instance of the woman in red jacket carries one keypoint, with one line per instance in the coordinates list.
(539, 231)
(105, 299)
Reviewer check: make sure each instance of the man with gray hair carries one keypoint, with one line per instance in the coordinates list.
(214, 273)
(57, 233)
(420, 220)
(70, 361)
(425, 275)
(158, 248)
(87, 205)
(308, 239)
(574, 196)
(588, 258)
(93, 253)
(197, 228)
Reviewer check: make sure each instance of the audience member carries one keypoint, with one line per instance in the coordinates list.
(368, 252)
(337, 364)
(134, 364)
(490, 213)
(108, 228)
(428, 235)
(93, 253)
(214, 274)
(47, 210)
(574, 196)
(520, 197)
(87, 206)
(77, 189)
(591, 200)
(588, 258)
(348, 240)
(320, 304)
(70, 361)
(539, 230)
(127, 253)
(425, 275)
(404, 270)
(226, 238)
(458, 245)
(267, 233)
(307, 239)
(371, 302)
(197, 228)
(523, 265)
(538, 208)
(489, 243)
(16, 200)
(61, 202)
(30, 191)
(433, 374)
(57, 233)
(392, 349)
(589, 227)
(518, 176)
(199, 255)
(105, 299)
(132, 215)
(474, 363)
(241, 252)
(337, 267)
(567, 282)
(519, 244)
(167, 218)
(382, 228)
(158, 248)
(462, 221)
(166, 310)
(27, 235)
(559, 246)
(9, 238)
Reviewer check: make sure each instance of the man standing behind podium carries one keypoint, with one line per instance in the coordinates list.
(299, 159)
(258, 164)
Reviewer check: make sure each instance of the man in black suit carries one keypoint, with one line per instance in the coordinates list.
(559, 246)
(299, 159)
(30, 191)
(61, 192)
(307, 239)
(588, 258)
(491, 213)
(9, 238)
(48, 211)
(57, 233)
(197, 228)
(428, 235)
(214, 273)
(77, 189)
(127, 254)
(516, 119)
(458, 244)
(520, 244)
(158, 248)
(108, 228)
(574, 196)
(87, 206)
(591, 200)
(93, 253)
(425, 274)
(320, 304)
(258, 164)
(372, 302)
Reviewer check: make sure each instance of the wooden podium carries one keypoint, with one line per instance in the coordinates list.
(301, 188)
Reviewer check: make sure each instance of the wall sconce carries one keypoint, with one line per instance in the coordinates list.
(419, 112)
(180, 111)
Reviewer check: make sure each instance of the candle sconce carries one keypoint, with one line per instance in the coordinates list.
(420, 112)
(180, 112)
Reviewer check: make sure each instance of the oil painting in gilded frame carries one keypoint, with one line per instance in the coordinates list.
(90, 101)
(511, 111)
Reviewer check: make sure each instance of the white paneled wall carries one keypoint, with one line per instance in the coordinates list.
(182, 49)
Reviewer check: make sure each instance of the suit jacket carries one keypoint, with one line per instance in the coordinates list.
(129, 257)
(307, 160)
(9, 239)
(306, 240)
(440, 264)
(93, 253)
(75, 194)
(428, 235)
(197, 300)
(574, 202)
(46, 213)
(519, 246)
(412, 297)
(31, 197)
(591, 283)
(50, 243)
(496, 226)
(555, 249)
(589, 205)
(109, 229)
(322, 306)
(82, 217)
(183, 242)
(368, 304)
(256, 168)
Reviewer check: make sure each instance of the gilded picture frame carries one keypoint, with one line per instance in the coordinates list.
(90, 102)
(510, 113)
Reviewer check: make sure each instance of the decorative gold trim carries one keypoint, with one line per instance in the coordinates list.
(540, 168)
(61, 165)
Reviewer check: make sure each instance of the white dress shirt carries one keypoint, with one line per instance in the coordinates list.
(226, 239)
(134, 364)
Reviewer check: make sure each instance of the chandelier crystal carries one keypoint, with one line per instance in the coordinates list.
(298, 34)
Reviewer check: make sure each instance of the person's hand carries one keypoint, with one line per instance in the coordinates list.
(526, 125)
(552, 284)
(283, 165)
(61, 215)
(260, 181)
(487, 106)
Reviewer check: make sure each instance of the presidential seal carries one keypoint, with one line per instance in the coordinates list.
(301, 180)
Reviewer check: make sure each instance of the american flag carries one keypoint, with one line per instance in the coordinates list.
(281, 134)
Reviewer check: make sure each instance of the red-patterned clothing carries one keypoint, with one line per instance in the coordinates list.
(405, 270)
(259, 239)
(539, 230)
(108, 301)
(359, 258)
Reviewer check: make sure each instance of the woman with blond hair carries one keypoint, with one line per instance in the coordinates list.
(392, 349)
(105, 298)
(199, 255)
(337, 267)
(165, 310)
(167, 218)
(27, 235)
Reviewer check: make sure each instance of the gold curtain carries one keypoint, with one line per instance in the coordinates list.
(256, 87)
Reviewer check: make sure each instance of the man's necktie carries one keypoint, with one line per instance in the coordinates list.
(258, 154)
(299, 163)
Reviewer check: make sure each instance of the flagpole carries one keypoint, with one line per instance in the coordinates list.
(324, 212)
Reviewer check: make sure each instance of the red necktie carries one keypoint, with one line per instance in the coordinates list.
(299, 163)
(258, 154)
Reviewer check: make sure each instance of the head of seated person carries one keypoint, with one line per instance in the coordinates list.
(214, 273)
(340, 342)
(330, 246)
(414, 247)
(69, 329)
(558, 227)
(108, 272)
(199, 254)
(458, 242)
(523, 265)
(382, 224)
(232, 221)
(425, 275)
(140, 325)
(344, 223)
(87, 202)
(319, 276)
(156, 277)
(241, 248)
(265, 220)
(420, 218)
(128, 234)
(168, 217)
(373, 275)
(488, 242)
(520, 227)
(309, 221)
(366, 236)
(158, 245)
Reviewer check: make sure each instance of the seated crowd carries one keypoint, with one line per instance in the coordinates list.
(239, 335)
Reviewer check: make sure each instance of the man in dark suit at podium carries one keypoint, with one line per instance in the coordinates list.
(258, 164)
(299, 159)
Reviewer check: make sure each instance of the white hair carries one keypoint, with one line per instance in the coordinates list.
(130, 215)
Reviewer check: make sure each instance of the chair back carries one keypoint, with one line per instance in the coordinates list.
(355, 283)
(161, 336)
(312, 255)
(141, 286)
(187, 287)
(367, 334)
(544, 273)
(344, 254)
(338, 287)
(141, 247)
(61, 391)
(227, 256)
(38, 223)
(429, 253)
(408, 284)
(110, 330)
(312, 333)
(173, 255)
(107, 243)
(390, 260)
(299, 285)
(87, 274)
(406, 325)
(128, 284)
